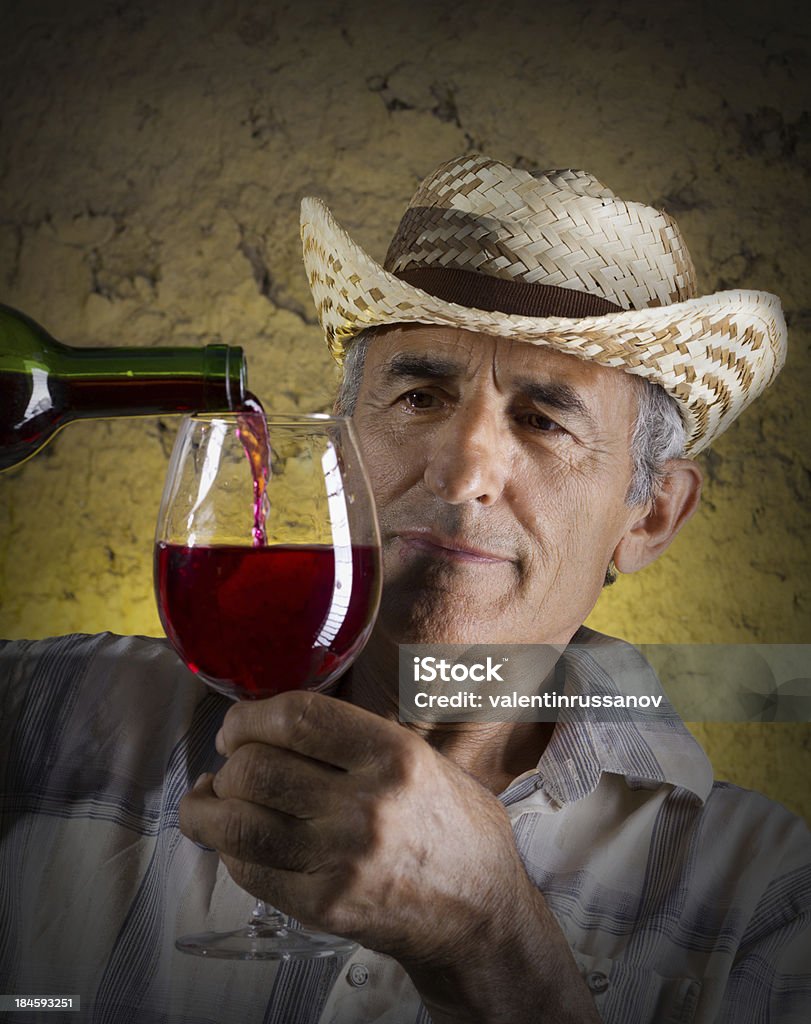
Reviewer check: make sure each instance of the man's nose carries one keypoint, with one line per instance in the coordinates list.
(469, 458)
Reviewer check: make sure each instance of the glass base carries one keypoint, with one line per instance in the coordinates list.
(263, 942)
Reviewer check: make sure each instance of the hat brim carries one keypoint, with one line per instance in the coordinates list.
(714, 354)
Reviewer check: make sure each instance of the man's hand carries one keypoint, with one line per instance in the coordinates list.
(355, 825)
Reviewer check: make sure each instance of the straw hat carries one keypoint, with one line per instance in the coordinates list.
(553, 258)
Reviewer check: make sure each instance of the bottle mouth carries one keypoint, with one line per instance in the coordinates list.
(227, 370)
(236, 375)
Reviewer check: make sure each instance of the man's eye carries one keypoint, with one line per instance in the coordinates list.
(537, 421)
(419, 399)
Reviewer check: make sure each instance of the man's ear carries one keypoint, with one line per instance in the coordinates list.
(648, 536)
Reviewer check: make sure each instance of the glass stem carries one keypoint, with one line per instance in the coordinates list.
(266, 918)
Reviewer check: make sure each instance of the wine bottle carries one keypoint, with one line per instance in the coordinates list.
(45, 384)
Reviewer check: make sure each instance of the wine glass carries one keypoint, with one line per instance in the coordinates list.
(267, 574)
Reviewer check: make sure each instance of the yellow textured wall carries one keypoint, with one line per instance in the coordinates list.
(151, 164)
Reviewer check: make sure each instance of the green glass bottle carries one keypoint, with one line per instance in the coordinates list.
(45, 384)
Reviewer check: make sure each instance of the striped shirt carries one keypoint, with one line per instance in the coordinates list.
(682, 900)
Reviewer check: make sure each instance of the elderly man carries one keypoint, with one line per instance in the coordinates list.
(528, 376)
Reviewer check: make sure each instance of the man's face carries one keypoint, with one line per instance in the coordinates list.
(500, 471)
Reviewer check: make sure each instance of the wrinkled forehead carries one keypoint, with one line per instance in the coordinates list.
(460, 354)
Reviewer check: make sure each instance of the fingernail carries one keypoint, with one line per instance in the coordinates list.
(201, 780)
(219, 743)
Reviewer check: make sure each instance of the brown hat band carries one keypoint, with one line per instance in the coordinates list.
(495, 294)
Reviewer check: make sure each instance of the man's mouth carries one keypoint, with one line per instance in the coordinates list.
(452, 549)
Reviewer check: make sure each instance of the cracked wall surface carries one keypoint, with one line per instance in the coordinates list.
(152, 159)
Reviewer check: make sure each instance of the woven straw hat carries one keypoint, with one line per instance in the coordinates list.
(553, 258)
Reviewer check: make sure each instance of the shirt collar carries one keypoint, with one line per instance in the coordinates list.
(648, 748)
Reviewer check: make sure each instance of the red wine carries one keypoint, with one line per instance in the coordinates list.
(30, 419)
(253, 433)
(32, 410)
(255, 621)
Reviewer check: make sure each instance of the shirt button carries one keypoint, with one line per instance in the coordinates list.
(597, 981)
(357, 975)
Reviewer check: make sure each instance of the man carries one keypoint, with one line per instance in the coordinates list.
(498, 372)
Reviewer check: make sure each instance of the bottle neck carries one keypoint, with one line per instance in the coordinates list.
(138, 381)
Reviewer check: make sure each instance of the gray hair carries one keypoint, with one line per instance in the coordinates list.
(659, 433)
(354, 361)
(659, 436)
